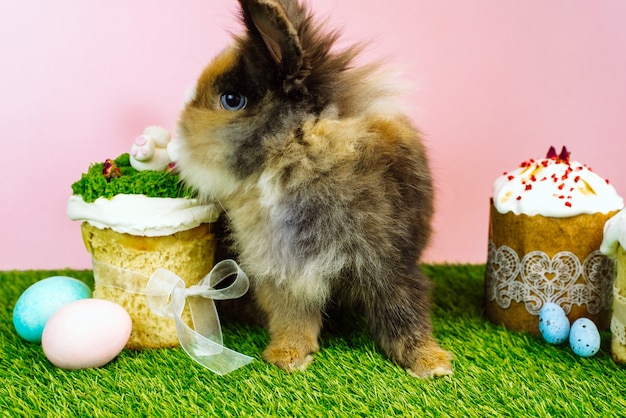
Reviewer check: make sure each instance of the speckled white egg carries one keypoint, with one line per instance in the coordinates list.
(553, 323)
(40, 301)
(584, 337)
(86, 333)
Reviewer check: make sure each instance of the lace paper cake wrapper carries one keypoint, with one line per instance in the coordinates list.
(618, 320)
(533, 260)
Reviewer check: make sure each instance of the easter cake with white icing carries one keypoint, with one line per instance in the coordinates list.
(545, 230)
(137, 217)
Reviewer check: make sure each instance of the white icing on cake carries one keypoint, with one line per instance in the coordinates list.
(614, 234)
(556, 188)
(141, 215)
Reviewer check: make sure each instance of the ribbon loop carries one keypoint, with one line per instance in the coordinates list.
(222, 271)
(166, 294)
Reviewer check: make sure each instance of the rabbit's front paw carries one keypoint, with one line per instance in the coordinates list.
(432, 362)
(290, 358)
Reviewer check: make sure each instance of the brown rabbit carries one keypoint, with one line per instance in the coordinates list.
(324, 181)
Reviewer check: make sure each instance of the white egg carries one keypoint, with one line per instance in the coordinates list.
(86, 333)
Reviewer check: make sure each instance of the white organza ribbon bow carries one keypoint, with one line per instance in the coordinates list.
(166, 294)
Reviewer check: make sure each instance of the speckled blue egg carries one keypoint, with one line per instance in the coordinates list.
(584, 337)
(41, 300)
(553, 323)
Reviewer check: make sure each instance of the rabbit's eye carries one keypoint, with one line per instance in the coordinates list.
(233, 101)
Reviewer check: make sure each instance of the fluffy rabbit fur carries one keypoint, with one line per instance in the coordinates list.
(325, 184)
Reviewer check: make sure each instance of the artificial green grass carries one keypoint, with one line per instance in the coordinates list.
(497, 372)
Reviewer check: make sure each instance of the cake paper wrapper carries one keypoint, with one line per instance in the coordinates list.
(533, 260)
(618, 320)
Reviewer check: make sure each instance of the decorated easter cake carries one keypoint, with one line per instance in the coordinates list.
(137, 217)
(545, 230)
(614, 246)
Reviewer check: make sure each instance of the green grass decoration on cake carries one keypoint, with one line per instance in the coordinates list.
(95, 184)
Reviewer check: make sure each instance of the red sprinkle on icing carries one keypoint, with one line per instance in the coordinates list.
(518, 198)
(511, 177)
(568, 204)
(576, 179)
(529, 186)
(561, 186)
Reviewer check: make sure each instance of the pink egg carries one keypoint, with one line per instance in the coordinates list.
(86, 333)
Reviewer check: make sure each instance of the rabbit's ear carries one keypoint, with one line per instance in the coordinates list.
(267, 19)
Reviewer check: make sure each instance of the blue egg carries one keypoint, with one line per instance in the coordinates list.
(584, 337)
(553, 323)
(41, 300)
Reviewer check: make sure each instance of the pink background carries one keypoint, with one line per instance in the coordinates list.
(496, 82)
